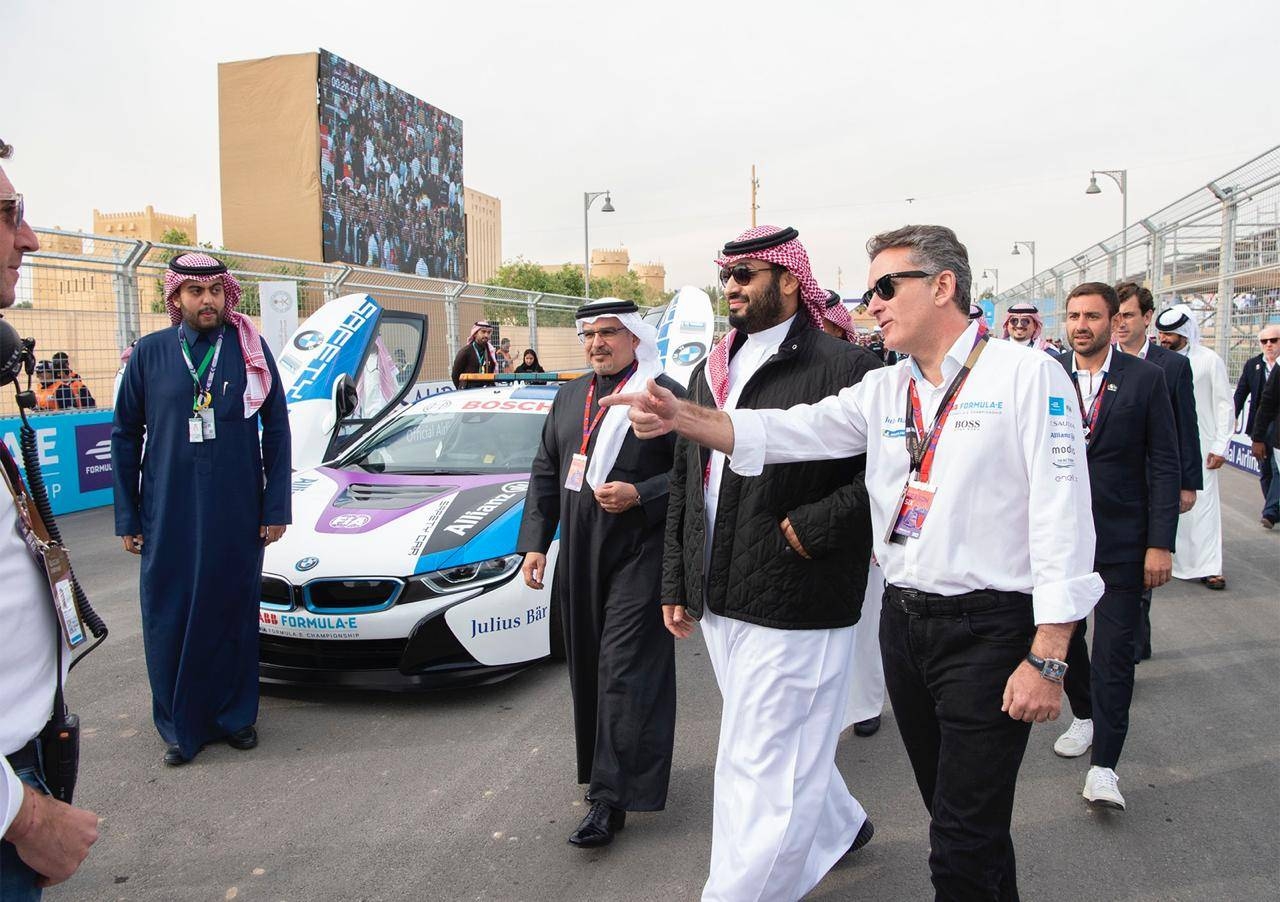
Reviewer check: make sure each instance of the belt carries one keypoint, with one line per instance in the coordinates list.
(929, 604)
(26, 757)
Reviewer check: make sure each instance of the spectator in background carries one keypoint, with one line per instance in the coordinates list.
(71, 391)
(531, 364)
(1252, 379)
(503, 355)
(46, 387)
(1266, 439)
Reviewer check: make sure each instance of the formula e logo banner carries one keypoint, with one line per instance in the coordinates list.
(93, 456)
(74, 450)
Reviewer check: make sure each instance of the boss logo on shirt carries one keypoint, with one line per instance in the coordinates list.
(967, 425)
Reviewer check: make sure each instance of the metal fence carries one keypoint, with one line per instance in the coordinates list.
(90, 296)
(1215, 249)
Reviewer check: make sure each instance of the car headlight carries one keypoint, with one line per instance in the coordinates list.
(470, 576)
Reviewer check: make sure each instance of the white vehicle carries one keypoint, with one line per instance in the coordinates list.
(400, 570)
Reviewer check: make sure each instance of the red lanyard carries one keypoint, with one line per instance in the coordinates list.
(920, 447)
(589, 425)
(1091, 419)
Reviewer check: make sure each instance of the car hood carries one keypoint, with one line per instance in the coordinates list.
(352, 523)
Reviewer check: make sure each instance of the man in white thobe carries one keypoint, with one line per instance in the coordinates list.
(1199, 548)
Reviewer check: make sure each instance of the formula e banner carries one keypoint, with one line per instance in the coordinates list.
(73, 449)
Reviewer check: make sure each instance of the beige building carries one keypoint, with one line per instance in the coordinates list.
(147, 225)
(609, 263)
(484, 235)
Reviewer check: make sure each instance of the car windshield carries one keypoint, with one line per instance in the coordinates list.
(451, 442)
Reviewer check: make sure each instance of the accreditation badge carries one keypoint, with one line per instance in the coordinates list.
(913, 509)
(195, 430)
(577, 473)
(58, 569)
(207, 431)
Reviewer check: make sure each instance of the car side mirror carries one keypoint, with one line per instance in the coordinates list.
(345, 397)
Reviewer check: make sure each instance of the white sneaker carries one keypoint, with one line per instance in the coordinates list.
(1076, 741)
(1102, 788)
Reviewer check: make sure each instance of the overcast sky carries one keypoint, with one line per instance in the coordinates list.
(989, 114)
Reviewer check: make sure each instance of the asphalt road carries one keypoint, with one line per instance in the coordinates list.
(469, 794)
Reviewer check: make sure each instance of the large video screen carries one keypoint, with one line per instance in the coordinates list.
(391, 176)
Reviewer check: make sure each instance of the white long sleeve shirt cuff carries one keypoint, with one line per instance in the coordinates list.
(12, 791)
(1066, 601)
(747, 456)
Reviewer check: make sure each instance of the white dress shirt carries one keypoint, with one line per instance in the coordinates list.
(758, 348)
(1012, 510)
(28, 656)
(1089, 383)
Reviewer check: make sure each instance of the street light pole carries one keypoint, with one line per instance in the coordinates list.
(995, 274)
(1121, 178)
(588, 198)
(1031, 246)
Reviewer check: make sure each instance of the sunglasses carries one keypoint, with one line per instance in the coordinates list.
(741, 273)
(14, 209)
(1267, 341)
(1021, 321)
(885, 288)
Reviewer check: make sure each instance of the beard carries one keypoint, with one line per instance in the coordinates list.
(762, 312)
(192, 319)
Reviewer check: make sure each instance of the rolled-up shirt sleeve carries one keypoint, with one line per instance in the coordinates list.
(831, 429)
(1060, 512)
(11, 794)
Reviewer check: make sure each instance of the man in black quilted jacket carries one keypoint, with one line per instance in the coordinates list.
(775, 568)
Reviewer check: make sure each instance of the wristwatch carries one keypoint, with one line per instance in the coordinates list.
(1050, 668)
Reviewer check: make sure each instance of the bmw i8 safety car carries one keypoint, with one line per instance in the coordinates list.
(400, 570)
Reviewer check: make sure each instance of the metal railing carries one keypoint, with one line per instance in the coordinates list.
(90, 296)
(1215, 249)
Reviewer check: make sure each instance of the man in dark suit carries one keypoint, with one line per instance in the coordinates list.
(1252, 379)
(1134, 476)
(1129, 332)
(1266, 443)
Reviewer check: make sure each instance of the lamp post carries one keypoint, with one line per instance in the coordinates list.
(588, 198)
(1031, 246)
(994, 274)
(1121, 178)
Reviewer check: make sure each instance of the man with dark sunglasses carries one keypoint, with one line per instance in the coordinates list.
(1252, 379)
(1023, 326)
(985, 579)
(775, 570)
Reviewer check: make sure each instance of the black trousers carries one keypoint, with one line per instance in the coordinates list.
(1142, 642)
(946, 662)
(1101, 686)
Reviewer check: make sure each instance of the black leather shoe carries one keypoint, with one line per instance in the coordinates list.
(865, 832)
(173, 756)
(244, 738)
(866, 727)
(598, 827)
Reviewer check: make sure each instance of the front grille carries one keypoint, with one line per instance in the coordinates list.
(330, 654)
(352, 595)
(276, 591)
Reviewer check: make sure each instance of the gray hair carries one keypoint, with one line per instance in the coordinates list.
(933, 248)
(6, 150)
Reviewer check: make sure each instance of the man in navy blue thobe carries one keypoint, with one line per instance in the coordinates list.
(201, 504)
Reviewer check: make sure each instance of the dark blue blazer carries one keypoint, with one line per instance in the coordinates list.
(1252, 378)
(1133, 462)
(1177, 378)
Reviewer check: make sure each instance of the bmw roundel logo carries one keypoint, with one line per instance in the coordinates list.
(307, 563)
(305, 341)
(512, 488)
(689, 353)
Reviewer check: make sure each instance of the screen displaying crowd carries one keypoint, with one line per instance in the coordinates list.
(391, 176)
